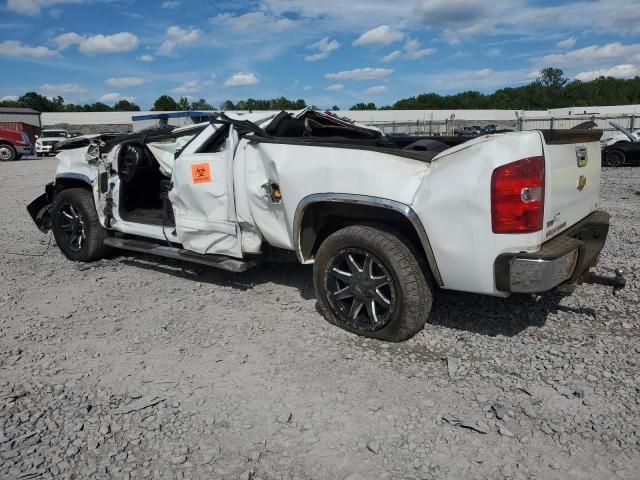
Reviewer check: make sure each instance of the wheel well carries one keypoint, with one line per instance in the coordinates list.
(65, 183)
(6, 142)
(321, 219)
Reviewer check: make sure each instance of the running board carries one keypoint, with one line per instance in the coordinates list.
(217, 261)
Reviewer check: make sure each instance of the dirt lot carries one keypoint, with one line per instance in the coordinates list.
(137, 367)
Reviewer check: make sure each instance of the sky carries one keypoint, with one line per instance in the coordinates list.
(329, 52)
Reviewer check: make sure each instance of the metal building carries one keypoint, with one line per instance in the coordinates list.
(21, 119)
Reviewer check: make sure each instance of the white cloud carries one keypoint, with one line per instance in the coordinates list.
(187, 88)
(568, 43)
(114, 97)
(53, 90)
(9, 98)
(463, 18)
(177, 36)
(307, 88)
(392, 56)
(412, 50)
(619, 71)
(13, 48)
(146, 58)
(241, 79)
(485, 78)
(336, 87)
(170, 4)
(65, 40)
(324, 47)
(257, 20)
(382, 35)
(34, 7)
(377, 90)
(124, 82)
(594, 54)
(367, 73)
(96, 44)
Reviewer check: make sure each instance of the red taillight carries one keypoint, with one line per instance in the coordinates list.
(517, 196)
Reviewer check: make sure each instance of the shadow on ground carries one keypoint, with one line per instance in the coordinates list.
(494, 316)
(474, 313)
(292, 275)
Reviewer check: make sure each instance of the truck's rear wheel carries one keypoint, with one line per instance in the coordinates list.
(369, 282)
(76, 226)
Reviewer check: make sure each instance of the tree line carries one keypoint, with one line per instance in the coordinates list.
(550, 90)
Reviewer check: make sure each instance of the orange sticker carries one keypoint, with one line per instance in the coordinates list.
(200, 172)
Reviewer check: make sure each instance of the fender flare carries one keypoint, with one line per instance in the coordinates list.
(405, 210)
(71, 177)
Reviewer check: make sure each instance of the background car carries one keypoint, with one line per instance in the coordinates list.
(611, 138)
(48, 139)
(13, 145)
(622, 153)
(467, 131)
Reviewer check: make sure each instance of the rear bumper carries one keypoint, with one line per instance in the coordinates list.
(563, 260)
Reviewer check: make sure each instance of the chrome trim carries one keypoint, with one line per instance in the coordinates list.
(528, 275)
(398, 207)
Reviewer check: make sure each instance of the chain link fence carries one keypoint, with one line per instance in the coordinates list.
(448, 126)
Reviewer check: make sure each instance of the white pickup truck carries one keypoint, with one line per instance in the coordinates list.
(386, 221)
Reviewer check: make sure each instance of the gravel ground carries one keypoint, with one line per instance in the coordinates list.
(137, 367)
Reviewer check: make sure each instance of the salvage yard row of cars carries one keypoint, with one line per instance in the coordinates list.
(619, 148)
(372, 213)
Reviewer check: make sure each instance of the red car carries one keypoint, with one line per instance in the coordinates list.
(13, 145)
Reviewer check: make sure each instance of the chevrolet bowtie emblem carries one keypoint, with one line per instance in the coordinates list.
(582, 181)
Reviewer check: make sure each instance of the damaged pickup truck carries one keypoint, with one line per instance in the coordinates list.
(385, 221)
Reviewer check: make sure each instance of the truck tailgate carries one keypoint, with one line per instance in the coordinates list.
(572, 177)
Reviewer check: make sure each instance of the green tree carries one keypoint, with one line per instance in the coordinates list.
(183, 104)
(335, 108)
(201, 104)
(126, 106)
(364, 106)
(165, 103)
(552, 77)
(99, 107)
(228, 105)
(41, 103)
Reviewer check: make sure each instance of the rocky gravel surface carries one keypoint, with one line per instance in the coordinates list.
(137, 367)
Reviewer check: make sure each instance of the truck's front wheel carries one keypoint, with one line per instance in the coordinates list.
(76, 226)
(368, 281)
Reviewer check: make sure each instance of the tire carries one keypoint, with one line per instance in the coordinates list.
(76, 226)
(7, 153)
(18, 156)
(369, 281)
(615, 158)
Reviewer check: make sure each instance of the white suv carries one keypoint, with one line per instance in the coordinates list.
(48, 139)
